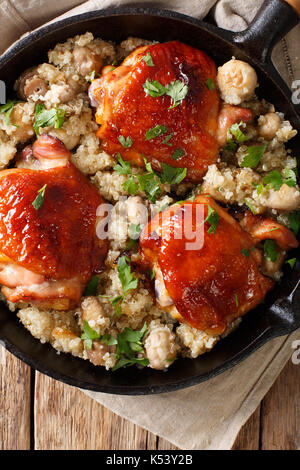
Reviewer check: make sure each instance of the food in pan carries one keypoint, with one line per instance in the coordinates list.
(147, 200)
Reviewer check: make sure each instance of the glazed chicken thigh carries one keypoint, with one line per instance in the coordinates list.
(168, 89)
(220, 280)
(48, 244)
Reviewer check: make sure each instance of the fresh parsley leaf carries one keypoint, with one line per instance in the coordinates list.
(236, 300)
(294, 221)
(128, 281)
(291, 262)
(231, 146)
(270, 250)
(259, 188)
(177, 91)
(172, 175)
(179, 153)
(213, 219)
(253, 156)
(236, 132)
(123, 168)
(129, 346)
(39, 200)
(130, 185)
(109, 340)
(93, 75)
(148, 59)
(274, 180)
(245, 252)
(127, 143)
(149, 183)
(89, 335)
(250, 206)
(166, 141)
(290, 177)
(154, 88)
(7, 109)
(53, 117)
(134, 231)
(92, 286)
(156, 132)
(210, 84)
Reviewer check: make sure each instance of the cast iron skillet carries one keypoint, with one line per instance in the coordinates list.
(280, 314)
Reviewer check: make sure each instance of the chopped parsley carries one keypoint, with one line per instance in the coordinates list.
(134, 231)
(270, 250)
(92, 286)
(89, 335)
(250, 206)
(128, 282)
(172, 175)
(291, 262)
(245, 252)
(166, 141)
(154, 88)
(213, 219)
(235, 131)
(236, 300)
(122, 168)
(294, 222)
(275, 179)
(253, 156)
(127, 143)
(179, 153)
(150, 184)
(7, 109)
(53, 117)
(210, 84)
(131, 185)
(129, 348)
(39, 200)
(290, 177)
(93, 75)
(156, 132)
(176, 90)
(148, 59)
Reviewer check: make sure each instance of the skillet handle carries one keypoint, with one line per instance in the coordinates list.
(272, 22)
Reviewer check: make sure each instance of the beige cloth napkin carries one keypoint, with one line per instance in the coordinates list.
(209, 415)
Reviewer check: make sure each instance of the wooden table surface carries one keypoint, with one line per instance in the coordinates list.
(37, 412)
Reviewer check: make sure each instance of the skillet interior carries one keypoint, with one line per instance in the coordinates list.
(279, 314)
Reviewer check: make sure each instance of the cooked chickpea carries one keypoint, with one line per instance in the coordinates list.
(86, 60)
(286, 199)
(92, 312)
(21, 82)
(237, 81)
(35, 86)
(160, 348)
(98, 351)
(268, 125)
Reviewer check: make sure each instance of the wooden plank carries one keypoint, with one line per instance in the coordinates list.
(249, 435)
(14, 403)
(65, 418)
(280, 412)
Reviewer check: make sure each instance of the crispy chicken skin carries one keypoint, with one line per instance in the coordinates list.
(48, 254)
(205, 287)
(198, 125)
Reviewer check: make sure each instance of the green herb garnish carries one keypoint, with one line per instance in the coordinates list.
(89, 335)
(148, 59)
(123, 168)
(53, 117)
(156, 132)
(134, 231)
(166, 141)
(129, 346)
(127, 143)
(213, 219)
(294, 221)
(291, 262)
(245, 252)
(7, 109)
(172, 175)
(210, 84)
(236, 300)
(92, 286)
(253, 156)
(39, 200)
(128, 282)
(235, 131)
(177, 91)
(270, 250)
(154, 88)
(179, 153)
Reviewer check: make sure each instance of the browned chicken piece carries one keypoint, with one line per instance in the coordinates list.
(196, 125)
(48, 244)
(210, 285)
